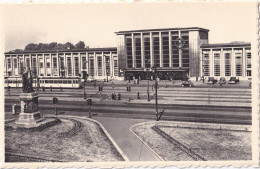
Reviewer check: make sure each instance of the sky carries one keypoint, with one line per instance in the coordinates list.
(96, 24)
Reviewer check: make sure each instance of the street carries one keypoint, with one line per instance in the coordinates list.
(215, 105)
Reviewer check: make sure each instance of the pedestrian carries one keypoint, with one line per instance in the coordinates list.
(60, 88)
(51, 88)
(113, 85)
(43, 88)
(113, 96)
(119, 96)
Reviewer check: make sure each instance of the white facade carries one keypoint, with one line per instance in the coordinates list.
(226, 60)
(97, 63)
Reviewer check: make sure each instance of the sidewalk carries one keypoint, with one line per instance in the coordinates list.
(132, 147)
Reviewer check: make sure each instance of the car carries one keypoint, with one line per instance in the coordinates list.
(187, 84)
(212, 80)
(233, 80)
(222, 80)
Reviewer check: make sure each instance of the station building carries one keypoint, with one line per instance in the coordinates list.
(226, 60)
(96, 62)
(175, 52)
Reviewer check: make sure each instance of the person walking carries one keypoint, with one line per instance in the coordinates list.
(113, 85)
(108, 96)
(119, 96)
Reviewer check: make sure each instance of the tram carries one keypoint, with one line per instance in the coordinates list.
(47, 82)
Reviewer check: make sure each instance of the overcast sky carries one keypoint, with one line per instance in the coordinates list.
(95, 24)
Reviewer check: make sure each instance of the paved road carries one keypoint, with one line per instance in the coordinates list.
(195, 113)
(134, 149)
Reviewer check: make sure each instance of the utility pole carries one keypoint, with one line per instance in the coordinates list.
(156, 99)
(148, 93)
(84, 88)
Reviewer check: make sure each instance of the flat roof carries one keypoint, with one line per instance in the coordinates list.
(232, 44)
(66, 50)
(162, 29)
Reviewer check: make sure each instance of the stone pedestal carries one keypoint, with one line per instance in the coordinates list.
(30, 116)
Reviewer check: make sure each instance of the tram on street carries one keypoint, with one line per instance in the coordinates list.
(47, 82)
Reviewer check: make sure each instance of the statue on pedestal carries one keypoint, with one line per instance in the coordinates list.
(27, 81)
(30, 115)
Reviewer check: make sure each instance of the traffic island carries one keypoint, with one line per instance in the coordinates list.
(182, 141)
(70, 139)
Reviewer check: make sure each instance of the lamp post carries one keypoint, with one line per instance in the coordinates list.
(148, 77)
(158, 114)
(84, 78)
(156, 98)
(107, 74)
(84, 89)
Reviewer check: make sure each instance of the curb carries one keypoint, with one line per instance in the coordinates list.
(104, 130)
(131, 129)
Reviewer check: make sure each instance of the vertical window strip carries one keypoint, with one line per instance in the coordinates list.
(69, 66)
(76, 63)
(216, 64)
(227, 64)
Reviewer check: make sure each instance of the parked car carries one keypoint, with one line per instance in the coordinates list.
(212, 80)
(233, 80)
(222, 80)
(187, 84)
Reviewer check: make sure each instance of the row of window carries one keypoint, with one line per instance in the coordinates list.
(68, 68)
(227, 63)
(176, 55)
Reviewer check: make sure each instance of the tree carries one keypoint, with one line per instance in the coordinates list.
(69, 45)
(53, 45)
(31, 46)
(80, 45)
(18, 50)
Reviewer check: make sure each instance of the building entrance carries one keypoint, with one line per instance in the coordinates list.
(162, 74)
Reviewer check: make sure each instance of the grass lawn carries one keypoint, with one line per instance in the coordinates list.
(229, 143)
(89, 144)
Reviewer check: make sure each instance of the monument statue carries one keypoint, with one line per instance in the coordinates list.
(27, 81)
(30, 115)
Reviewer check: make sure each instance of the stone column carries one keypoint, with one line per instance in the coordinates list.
(244, 62)
(151, 50)
(211, 66)
(142, 51)
(180, 53)
(160, 47)
(133, 50)
(170, 49)
(233, 70)
(44, 64)
(104, 73)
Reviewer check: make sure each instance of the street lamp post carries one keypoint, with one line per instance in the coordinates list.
(148, 92)
(158, 114)
(84, 78)
(156, 98)
(107, 74)
(84, 89)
